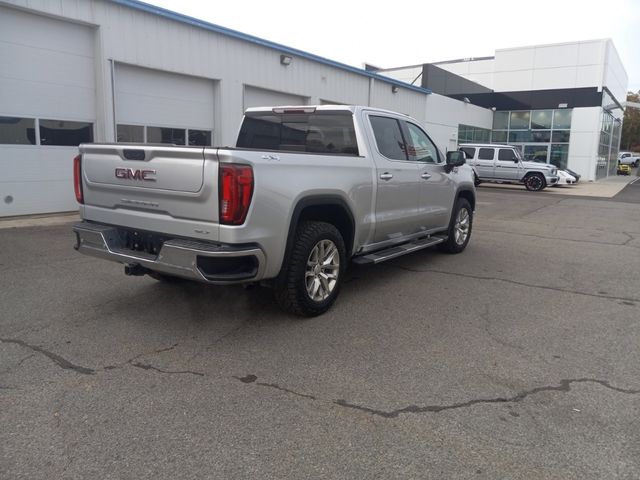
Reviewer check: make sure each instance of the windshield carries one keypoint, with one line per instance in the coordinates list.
(518, 154)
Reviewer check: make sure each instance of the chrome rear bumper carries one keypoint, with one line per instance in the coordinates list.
(192, 259)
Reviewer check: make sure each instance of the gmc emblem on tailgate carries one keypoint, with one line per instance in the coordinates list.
(135, 174)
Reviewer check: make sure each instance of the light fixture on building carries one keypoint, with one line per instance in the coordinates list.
(563, 105)
(394, 89)
(493, 109)
(285, 60)
(466, 100)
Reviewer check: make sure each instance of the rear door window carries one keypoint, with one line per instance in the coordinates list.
(486, 154)
(329, 133)
(389, 139)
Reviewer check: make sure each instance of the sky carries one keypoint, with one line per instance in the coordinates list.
(402, 32)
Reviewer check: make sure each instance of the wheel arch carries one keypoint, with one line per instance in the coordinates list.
(468, 195)
(332, 209)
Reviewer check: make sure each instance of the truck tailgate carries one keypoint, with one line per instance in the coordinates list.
(151, 186)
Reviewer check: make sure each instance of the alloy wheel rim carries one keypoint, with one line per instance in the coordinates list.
(323, 268)
(535, 182)
(461, 228)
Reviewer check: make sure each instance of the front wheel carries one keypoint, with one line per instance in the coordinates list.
(460, 226)
(534, 182)
(311, 277)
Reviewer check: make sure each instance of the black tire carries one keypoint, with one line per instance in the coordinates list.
(291, 289)
(534, 182)
(476, 180)
(636, 164)
(454, 242)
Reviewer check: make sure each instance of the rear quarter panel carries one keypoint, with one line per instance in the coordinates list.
(282, 180)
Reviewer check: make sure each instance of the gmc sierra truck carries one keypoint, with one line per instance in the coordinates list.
(305, 191)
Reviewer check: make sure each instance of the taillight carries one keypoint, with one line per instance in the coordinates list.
(235, 188)
(77, 178)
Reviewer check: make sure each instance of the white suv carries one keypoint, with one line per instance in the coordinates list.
(504, 164)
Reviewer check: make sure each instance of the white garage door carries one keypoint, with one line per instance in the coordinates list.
(259, 97)
(163, 107)
(47, 107)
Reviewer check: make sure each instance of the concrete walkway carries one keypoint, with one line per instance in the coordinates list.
(605, 188)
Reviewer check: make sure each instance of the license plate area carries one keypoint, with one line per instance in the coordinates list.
(141, 241)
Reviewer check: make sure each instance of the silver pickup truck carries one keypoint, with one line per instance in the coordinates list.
(305, 191)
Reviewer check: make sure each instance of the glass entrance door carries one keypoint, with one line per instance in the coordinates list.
(536, 153)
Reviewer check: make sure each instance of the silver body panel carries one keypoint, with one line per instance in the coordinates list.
(182, 200)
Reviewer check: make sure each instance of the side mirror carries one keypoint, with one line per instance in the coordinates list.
(515, 160)
(455, 158)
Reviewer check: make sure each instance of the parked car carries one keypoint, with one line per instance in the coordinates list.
(623, 169)
(306, 190)
(564, 178)
(629, 158)
(504, 164)
(573, 174)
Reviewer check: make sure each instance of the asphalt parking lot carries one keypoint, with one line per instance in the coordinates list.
(517, 359)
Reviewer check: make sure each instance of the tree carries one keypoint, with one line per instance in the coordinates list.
(631, 125)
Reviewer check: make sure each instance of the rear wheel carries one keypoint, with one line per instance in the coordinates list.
(310, 280)
(460, 226)
(476, 180)
(534, 182)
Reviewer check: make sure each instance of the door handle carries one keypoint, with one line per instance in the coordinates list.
(426, 176)
(386, 176)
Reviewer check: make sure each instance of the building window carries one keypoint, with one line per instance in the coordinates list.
(471, 134)
(608, 146)
(520, 136)
(541, 119)
(17, 131)
(534, 132)
(501, 121)
(130, 133)
(65, 133)
(498, 136)
(561, 119)
(519, 120)
(561, 136)
(172, 136)
(559, 155)
(200, 138)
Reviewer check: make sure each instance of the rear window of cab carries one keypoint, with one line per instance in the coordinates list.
(329, 133)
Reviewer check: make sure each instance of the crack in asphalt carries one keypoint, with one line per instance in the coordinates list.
(513, 282)
(630, 239)
(536, 210)
(146, 366)
(57, 359)
(253, 378)
(545, 237)
(564, 386)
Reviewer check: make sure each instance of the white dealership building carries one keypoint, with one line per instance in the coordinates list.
(122, 70)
